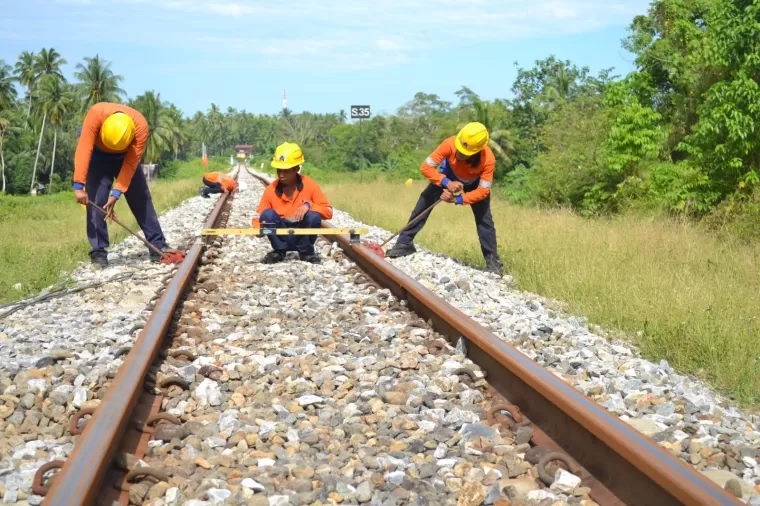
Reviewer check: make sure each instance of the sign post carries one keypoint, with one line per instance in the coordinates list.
(360, 112)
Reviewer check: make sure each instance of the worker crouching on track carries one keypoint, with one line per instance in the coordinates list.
(111, 144)
(461, 163)
(291, 201)
(217, 182)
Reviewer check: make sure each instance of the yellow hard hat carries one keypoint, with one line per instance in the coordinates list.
(287, 155)
(117, 131)
(471, 139)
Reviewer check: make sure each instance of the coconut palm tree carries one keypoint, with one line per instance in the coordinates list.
(49, 62)
(501, 140)
(7, 89)
(26, 73)
(5, 127)
(53, 98)
(179, 138)
(556, 91)
(97, 82)
(160, 124)
(59, 100)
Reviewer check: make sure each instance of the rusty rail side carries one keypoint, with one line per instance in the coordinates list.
(625, 466)
(81, 479)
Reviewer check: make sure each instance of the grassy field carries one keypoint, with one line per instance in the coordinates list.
(678, 292)
(46, 234)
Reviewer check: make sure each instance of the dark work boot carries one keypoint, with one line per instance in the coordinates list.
(401, 250)
(99, 259)
(494, 265)
(203, 193)
(273, 257)
(312, 258)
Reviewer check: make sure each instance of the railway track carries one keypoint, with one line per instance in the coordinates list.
(344, 383)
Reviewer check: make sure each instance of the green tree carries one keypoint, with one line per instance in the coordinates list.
(161, 127)
(97, 82)
(59, 100)
(726, 138)
(669, 43)
(5, 126)
(49, 62)
(26, 73)
(7, 89)
(52, 96)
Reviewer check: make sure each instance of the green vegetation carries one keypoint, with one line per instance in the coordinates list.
(681, 294)
(51, 230)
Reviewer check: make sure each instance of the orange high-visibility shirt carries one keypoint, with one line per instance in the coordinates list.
(90, 138)
(462, 171)
(228, 184)
(307, 192)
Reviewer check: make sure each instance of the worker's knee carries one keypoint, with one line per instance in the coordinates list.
(269, 216)
(312, 220)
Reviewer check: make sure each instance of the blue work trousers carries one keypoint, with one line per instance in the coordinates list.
(303, 244)
(100, 178)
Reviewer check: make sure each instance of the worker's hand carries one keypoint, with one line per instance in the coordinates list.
(455, 187)
(447, 196)
(81, 196)
(300, 212)
(109, 208)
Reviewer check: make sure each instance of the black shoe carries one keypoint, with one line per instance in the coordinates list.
(494, 265)
(401, 250)
(100, 259)
(273, 257)
(203, 192)
(312, 258)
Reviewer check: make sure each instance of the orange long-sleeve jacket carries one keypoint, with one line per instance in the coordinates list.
(307, 192)
(442, 167)
(90, 139)
(228, 183)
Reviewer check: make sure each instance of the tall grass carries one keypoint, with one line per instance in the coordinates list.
(43, 235)
(680, 293)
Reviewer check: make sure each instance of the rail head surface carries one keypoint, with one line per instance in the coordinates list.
(80, 481)
(626, 466)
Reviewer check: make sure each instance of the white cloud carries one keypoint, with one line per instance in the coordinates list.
(348, 33)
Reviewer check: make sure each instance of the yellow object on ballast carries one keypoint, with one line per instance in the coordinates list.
(284, 231)
(408, 183)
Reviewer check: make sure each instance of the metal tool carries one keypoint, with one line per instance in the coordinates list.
(377, 249)
(167, 257)
(353, 233)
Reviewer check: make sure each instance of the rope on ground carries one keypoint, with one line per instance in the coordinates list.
(62, 292)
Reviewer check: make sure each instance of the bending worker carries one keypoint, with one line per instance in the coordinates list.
(217, 182)
(291, 201)
(111, 144)
(460, 164)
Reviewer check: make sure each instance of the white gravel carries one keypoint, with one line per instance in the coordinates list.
(312, 386)
(679, 412)
(59, 353)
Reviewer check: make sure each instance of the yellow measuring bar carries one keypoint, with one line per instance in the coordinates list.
(284, 231)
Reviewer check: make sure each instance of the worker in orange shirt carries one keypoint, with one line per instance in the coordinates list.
(293, 200)
(110, 147)
(461, 164)
(217, 182)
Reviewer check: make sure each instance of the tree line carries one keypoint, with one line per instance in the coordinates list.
(680, 134)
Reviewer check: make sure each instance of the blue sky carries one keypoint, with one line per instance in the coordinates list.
(328, 55)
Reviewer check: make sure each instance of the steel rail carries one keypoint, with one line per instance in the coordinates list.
(625, 467)
(80, 482)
